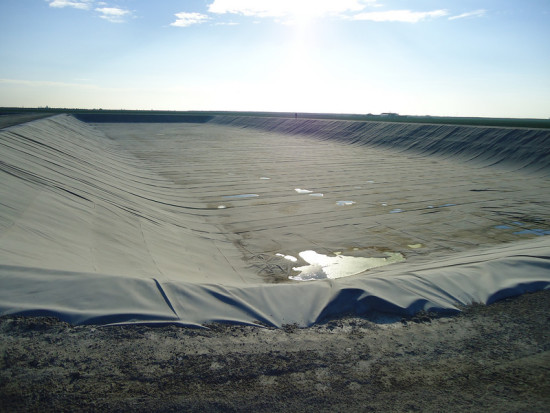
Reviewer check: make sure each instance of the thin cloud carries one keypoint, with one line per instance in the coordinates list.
(112, 14)
(24, 82)
(404, 16)
(80, 4)
(287, 8)
(475, 13)
(185, 19)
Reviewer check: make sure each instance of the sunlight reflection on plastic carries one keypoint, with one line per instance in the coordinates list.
(287, 257)
(303, 191)
(241, 196)
(345, 203)
(322, 266)
(221, 207)
(265, 178)
(318, 195)
(396, 211)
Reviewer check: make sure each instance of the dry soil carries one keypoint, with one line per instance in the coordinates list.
(488, 358)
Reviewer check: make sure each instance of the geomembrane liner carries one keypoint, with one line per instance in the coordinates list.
(168, 222)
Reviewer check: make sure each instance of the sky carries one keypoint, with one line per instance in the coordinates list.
(488, 58)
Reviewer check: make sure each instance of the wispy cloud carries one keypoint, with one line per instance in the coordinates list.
(112, 14)
(184, 19)
(287, 8)
(475, 13)
(404, 16)
(79, 4)
(24, 82)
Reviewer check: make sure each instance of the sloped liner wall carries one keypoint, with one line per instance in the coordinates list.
(526, 149)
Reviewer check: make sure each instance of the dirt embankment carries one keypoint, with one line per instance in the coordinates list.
(494, 358)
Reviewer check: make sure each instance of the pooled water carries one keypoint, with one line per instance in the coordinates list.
(536, 231)
(287, 257)
(322, 266)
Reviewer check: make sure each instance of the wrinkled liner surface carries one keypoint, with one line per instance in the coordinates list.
(138, 295)
(80, 298)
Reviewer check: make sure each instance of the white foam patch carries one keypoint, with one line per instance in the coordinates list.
(317, 195)
(345, 203)
(322, 266)
(303, 191)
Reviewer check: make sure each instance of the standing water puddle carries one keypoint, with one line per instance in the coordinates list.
(287, 257)
(322, 266)
(536, 231)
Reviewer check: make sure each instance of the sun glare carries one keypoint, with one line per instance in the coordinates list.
(302, 15)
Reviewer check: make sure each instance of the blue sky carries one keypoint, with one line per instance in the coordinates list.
(436, 57)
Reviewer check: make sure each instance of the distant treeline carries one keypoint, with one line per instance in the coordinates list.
(104, 115)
